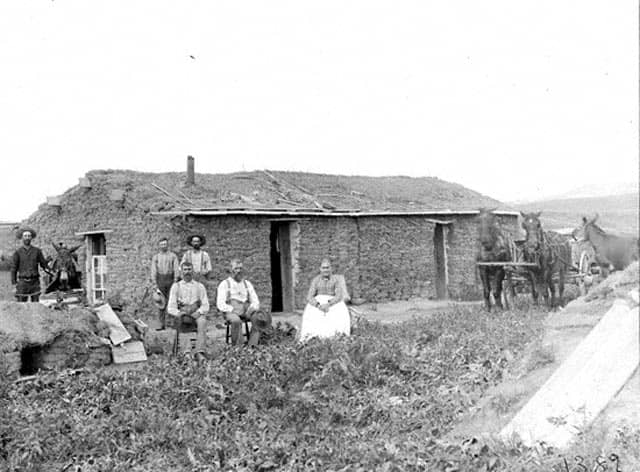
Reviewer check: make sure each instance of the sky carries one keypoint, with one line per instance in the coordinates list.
(517, 100)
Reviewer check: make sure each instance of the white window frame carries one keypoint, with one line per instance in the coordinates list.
(98, 278)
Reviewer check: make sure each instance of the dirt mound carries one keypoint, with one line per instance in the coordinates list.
(617, 285)
(34, 337)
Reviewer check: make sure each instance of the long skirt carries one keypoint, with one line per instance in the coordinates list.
(317, 323)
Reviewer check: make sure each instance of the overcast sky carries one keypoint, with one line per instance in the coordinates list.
(515, 99)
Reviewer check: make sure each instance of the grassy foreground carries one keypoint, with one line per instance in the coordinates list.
(381, 399)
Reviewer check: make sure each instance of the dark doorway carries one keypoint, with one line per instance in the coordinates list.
(276, 271)
(440, 253)
(30, 360)
(281, 267)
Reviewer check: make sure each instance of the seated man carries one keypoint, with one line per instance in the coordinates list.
(188, 298)
(238, 300)
(326, 313)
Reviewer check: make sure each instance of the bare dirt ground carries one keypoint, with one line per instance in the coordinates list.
(387, 312)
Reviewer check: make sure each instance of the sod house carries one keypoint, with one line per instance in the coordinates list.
(392, 237)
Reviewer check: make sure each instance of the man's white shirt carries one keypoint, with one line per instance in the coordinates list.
(242, 291)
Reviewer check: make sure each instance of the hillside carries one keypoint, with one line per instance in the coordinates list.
(274, 189)
(617, 213)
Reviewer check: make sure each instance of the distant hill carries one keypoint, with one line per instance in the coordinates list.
(587, 191)
(616, 213)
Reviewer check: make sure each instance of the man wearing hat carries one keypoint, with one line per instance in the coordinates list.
(238, 300)
(24, 267)
(165, 271)
(197, 257)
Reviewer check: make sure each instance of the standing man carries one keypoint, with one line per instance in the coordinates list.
(165, 270)
(197, 257)
(24, 267)
(188, 298)
(238, 300)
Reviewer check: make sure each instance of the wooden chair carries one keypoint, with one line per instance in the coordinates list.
(183, 324)
(227, 325)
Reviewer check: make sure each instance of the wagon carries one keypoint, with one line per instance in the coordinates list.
(580, 272)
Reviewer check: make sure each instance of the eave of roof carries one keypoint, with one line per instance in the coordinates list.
(318, 212)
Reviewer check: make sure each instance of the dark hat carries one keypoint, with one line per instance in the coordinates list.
(203, 240)
(159, 300)
(261, 320)
(21, 231)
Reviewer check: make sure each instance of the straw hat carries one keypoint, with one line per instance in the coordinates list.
(261, 320)
(159, 299)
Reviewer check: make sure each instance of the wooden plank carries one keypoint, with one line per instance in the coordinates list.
(117, 332)
(129, 352)
(508, 264)
(584, 384)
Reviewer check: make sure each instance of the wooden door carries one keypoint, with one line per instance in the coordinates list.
(440, 253)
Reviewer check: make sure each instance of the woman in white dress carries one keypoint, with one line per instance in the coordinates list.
(326, 314)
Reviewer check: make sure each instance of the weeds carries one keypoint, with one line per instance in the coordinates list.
(381, 399)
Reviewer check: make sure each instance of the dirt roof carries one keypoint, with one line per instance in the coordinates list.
(276, 189)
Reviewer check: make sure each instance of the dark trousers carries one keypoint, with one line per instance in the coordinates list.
(26, 288)
(164, 283)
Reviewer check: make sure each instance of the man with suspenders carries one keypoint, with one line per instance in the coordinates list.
(165, 271)
(238, 300)
(197, 257)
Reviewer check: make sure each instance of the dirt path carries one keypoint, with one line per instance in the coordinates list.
(388, 312)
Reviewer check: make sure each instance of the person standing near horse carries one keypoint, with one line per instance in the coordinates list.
(238, 301)
(199, 258)
(24, 267)
(165, 270)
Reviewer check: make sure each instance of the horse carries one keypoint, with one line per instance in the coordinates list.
(63, 266)
(611, 250)
(551, 253)
(493, 246)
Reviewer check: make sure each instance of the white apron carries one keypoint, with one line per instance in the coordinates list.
(317, 323)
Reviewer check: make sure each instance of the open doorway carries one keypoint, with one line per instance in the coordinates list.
(440, 253)
(281, 267)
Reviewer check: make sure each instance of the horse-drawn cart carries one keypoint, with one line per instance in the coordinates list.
(518, 271)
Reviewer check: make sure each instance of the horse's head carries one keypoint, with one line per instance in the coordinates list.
(64, 264)
(581, 233)
(533, 228)
(488, 228)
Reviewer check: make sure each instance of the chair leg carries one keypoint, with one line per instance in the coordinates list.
(176, 342)
(246, 332)
(228, 333)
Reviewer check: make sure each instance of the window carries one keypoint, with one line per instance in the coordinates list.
(99, 279)
(96, 266)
